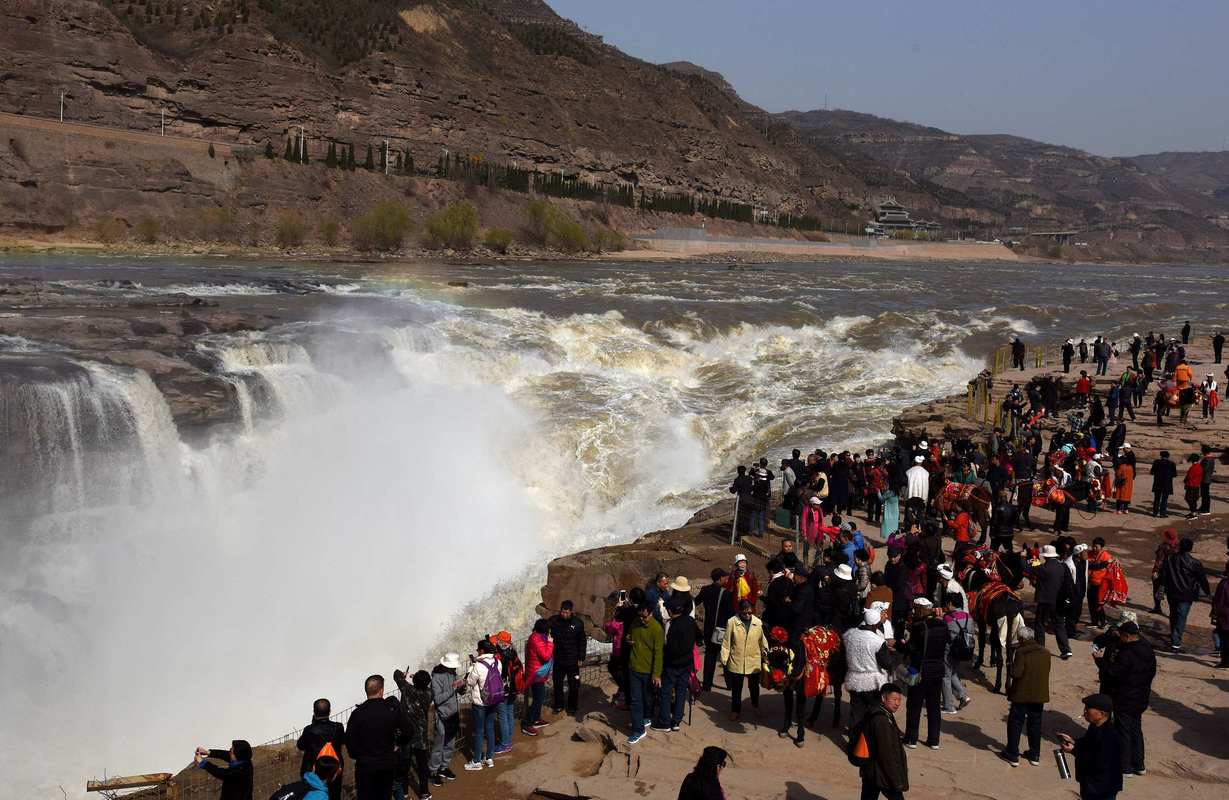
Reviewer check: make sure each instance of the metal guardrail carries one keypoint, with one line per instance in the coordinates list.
(276, 762)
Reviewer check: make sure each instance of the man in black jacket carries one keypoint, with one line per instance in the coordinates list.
(1003, 524)
(570, 643)
(1130, 672)
(1055, 592)
(886, 770)
(802, 607)
(319, 732)
(777, 596)
(1184, 580)
(1098, 753)
(236, 776)
(375, 730)
(677, 663)
(1163, 473)
(718, 605)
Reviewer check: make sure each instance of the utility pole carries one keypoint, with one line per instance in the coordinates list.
(61, 106)
(386, 156)
(164, 122)
(302, 145)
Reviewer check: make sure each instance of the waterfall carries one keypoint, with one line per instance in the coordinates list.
(79, 435)
(258, 365)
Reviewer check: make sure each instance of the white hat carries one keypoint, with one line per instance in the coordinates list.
(1079, 548)
(881, 605)
(843, 572)
(924, 444)
(1098, 456)
(1136, 335)
(919, 459)
(815, 501)
(739, 557)
(946, 571)
(680, 584)
(1126, 445)
(871, 616)
(451, 661)
(1070, 341)
(922, 602)
(1049, 552)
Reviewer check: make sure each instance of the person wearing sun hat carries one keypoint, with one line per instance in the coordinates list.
(444, 686)
(1055, 591)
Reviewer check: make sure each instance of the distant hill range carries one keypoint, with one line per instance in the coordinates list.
(512, 81)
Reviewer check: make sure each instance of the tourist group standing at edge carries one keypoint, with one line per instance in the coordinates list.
(824, 615)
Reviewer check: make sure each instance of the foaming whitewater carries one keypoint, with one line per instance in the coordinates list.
(385, 474)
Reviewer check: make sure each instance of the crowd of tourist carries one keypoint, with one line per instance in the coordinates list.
(827, 614)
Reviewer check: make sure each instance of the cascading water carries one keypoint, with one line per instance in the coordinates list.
(388, 473)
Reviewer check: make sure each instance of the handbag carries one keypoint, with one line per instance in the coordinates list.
(718, 631)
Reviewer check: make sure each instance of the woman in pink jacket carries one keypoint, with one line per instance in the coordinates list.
(539, 663)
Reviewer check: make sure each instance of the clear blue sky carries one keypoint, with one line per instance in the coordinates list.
(1114, 77)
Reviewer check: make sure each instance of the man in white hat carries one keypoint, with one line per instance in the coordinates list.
(948, 585)
(845, 606)
(1068, 354)
(1055, 592)
(917, 495)
(868, 658)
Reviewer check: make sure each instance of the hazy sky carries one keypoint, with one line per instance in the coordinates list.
(1118, 77)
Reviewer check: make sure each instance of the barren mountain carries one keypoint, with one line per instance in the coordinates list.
(1032, 185)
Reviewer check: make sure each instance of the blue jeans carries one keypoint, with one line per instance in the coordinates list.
(758, 517)
(484, 732)
(641, 684)
(506, 713)
(1178, 609)
(675, 684)
(537, 694)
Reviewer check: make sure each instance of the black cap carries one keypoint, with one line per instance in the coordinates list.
(1129, 628)
(802, 571)
(1101, 702)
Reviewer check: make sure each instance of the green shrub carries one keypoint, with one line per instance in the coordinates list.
(382, 228)
(218, 224)
(109, 230)
(289, 230)
(538, 215)
(455, 227)
(148, 230)
(569, 236)
(607, 240)
(330, 231)
(499, 239)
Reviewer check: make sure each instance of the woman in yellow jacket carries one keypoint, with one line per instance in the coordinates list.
(742, 654)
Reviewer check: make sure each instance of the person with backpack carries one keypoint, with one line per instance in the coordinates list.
(1028, 693)
(317, 781)
(761, 496)
(568, 633)
(925, 646)
(512, 671)
(875, 747)
(486, 694)
(959, 648)
(414, 753)
(236, 776)
(444, 686)
(375, 729)
(678, 662)
(316, 735)
(539, 664)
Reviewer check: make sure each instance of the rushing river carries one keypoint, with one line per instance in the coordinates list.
(410, 454)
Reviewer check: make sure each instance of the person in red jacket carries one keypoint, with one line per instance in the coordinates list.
(1083, 388)
(1191, 483)
(539, 664)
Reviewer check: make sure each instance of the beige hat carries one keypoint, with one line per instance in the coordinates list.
(871, 616)
(451, 661)
(680, 584)
(922, 602)
(843, 572)
(1049, 552)
(739, 557)
(919, 459)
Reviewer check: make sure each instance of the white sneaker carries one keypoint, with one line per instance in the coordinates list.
(473, 766)
(489, 763)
